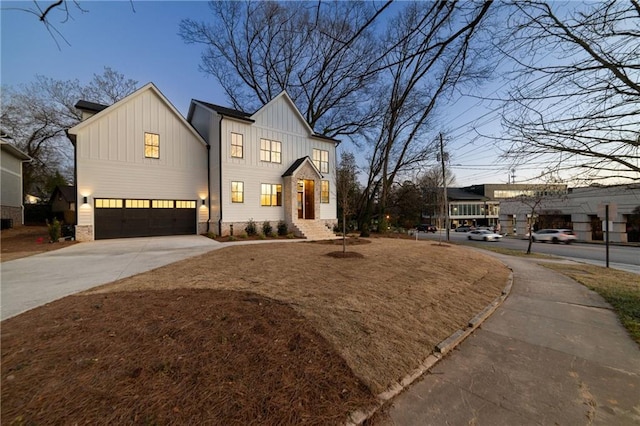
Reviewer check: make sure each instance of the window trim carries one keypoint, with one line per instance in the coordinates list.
(236, 145)
(321, 163)
(325, 196)
(155, 148)
(275, 192)
(274, 150)
(236, 192)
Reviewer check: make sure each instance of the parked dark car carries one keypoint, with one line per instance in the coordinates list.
(464, 228)
(426, 228)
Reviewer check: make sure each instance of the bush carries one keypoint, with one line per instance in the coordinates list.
(283, 229)
(54, 230)
(267, 229)
(251, 229)
(364, 230)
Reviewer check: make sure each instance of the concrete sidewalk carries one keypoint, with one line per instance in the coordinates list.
(553, 353)
(33, 281)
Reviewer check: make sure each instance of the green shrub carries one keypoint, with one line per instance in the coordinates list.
(267, 229)
(290, 235)
(54, 230)
(283, 229)
(232, 238)
(251, 229)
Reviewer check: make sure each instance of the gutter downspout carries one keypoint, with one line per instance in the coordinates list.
(209, 184)
(220, 173)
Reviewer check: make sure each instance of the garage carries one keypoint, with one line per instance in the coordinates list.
(125, 218)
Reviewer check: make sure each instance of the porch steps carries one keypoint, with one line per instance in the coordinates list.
(313, 230)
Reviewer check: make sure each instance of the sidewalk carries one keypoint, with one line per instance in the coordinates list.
(553, 353)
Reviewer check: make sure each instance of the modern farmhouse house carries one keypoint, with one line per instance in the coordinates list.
(143, 170)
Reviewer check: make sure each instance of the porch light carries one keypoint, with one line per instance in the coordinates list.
(203, 201)
(85, 200)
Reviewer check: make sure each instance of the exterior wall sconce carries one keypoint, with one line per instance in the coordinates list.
(85, 200)
(203, 201)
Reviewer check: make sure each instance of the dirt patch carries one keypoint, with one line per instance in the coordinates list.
(23, 241)
(169, 357)
(345, 255)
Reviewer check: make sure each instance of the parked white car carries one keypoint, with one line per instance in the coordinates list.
(555, 236)
(483, 235)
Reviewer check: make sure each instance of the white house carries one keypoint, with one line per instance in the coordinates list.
(11, 198)
(268, 166)
(143, 170)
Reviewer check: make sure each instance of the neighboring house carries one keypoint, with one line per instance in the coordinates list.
(143, 170)
(12, 211)
(63, 203)
(268, 166)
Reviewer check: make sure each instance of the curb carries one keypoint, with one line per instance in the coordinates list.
(358, 417)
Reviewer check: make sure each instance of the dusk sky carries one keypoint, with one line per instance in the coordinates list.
(144, 45)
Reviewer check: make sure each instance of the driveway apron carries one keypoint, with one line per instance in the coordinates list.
(33, 281)
(553, 353)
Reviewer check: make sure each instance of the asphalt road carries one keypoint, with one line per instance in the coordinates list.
(620, 257)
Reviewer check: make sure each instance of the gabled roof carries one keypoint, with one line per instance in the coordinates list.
(68, 192)
(227, 112)
(147, 87)
(250, 117)
(298, 164)
(6, 146)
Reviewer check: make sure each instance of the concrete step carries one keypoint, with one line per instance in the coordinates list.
(313, 230)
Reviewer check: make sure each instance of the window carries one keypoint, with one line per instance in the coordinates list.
(236, 145)
(271, 195)
(136, 204)
(237, 192)
(151, 145)
(270, 151)
(324, 192)
(185, 204)
(162, 204)
(321, 160)
(108, 203)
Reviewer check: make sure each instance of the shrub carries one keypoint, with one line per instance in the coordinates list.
(364, 230)
(54, 230)
(290, 235)
(251, 229)
(283, 229)
(267, 229)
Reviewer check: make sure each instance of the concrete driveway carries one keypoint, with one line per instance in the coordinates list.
(33, 281)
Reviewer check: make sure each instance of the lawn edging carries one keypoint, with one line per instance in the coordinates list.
(358, 417)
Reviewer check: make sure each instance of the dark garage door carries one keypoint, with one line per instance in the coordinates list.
(121, 218)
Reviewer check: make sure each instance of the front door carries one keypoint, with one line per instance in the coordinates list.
(306, 201)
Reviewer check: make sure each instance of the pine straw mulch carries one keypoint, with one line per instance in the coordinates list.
(215, 337)
(172, 357)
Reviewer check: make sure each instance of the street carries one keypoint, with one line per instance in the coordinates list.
(626, 258)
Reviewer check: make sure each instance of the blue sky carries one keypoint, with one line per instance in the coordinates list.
(144, 46)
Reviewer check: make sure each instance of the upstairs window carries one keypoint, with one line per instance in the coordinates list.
(151, 145)
(321, 160)
(270, 151)
(237, 145)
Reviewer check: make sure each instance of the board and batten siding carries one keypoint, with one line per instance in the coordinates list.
(111, 161)
(295, 144)
(11, 179)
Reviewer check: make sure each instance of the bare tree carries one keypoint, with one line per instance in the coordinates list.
(320, 53)
(431, 184)
(428, 53)
(575, 95)
(37, 115)
(347, 190)
(49, 11)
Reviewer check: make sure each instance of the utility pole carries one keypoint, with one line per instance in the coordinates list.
(444, 187)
